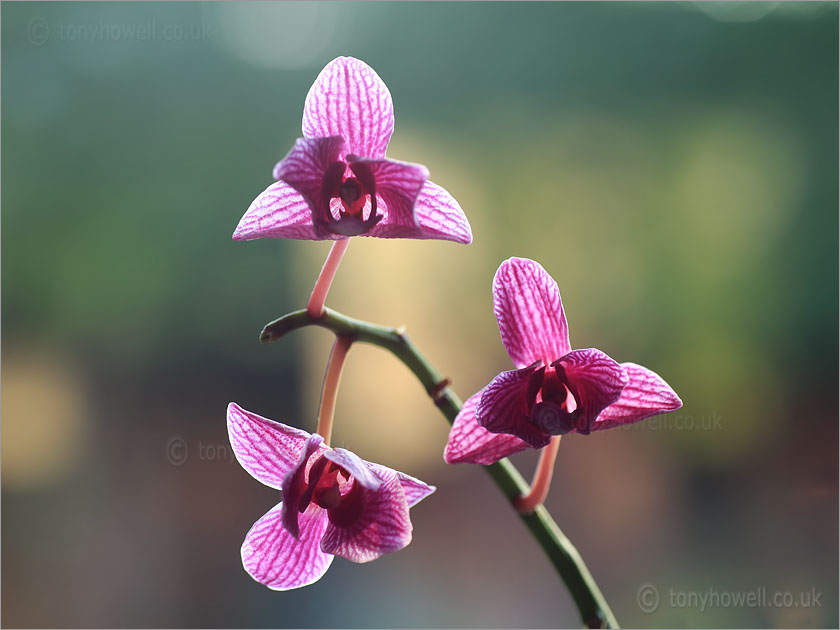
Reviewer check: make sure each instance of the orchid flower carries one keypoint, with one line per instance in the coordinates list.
(334, 503)
(554, 390)
(336, 181)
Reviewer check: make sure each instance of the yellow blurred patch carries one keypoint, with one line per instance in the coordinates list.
(44, 420)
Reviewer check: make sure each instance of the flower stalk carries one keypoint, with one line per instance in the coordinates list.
(315, 306)
(542, 478)
(329, 393)
(593, 608)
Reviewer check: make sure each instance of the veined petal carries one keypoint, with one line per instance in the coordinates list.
(471, 443)
(382, 527)
(397, 184)
(268, 450)
(440, 216)
(279, 212)
(645, 395)
(503, 407)
(272, 556)
(294, 485)
(529, 311)
(596, 380)
(356, 466)
(348, 99)
(304, 169)
(414, 489)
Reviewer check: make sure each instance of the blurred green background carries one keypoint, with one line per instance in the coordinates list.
(673, 166)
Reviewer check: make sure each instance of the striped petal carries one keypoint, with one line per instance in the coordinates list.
(382, 527)
(646, 394)
(596, 381)
(471, 443)
(307, 167)
(440, 216)
(503, 407)
(272, 556)
(268, 450)
(348, 99)
(279, 212)
(414, 489)
(529, 311)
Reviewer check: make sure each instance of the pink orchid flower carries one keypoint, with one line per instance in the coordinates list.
(554, 390)
(336, 181)
(334, 503)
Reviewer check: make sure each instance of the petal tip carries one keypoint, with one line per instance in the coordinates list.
(239, 234)
(452, 457)
(232, 410)
(676, 402)
(449, 456)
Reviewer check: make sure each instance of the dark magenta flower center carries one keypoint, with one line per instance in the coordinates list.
(351, 195)
(353, 192)
(330, 487)
(553, 403)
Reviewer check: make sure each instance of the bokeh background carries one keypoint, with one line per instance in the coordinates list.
(673, 166)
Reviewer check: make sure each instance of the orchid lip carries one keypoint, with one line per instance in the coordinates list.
(325, 491)
(352, 225)
(352, 191)
(552, 418)
(349, 507)
(553, 404)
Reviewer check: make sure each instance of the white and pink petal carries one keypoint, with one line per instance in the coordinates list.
(275, 558)
(415, 490)
(348, 99)
(278, 212)
(440, 216)
(471, 443)
(268, 450)
(308, 168)
(646, 394)
(528, 308)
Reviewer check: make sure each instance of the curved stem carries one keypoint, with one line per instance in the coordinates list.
(560, 551)
(315, 306)
(542, 478)
(330, 391)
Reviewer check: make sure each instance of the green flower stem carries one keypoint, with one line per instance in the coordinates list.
(563, 555)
